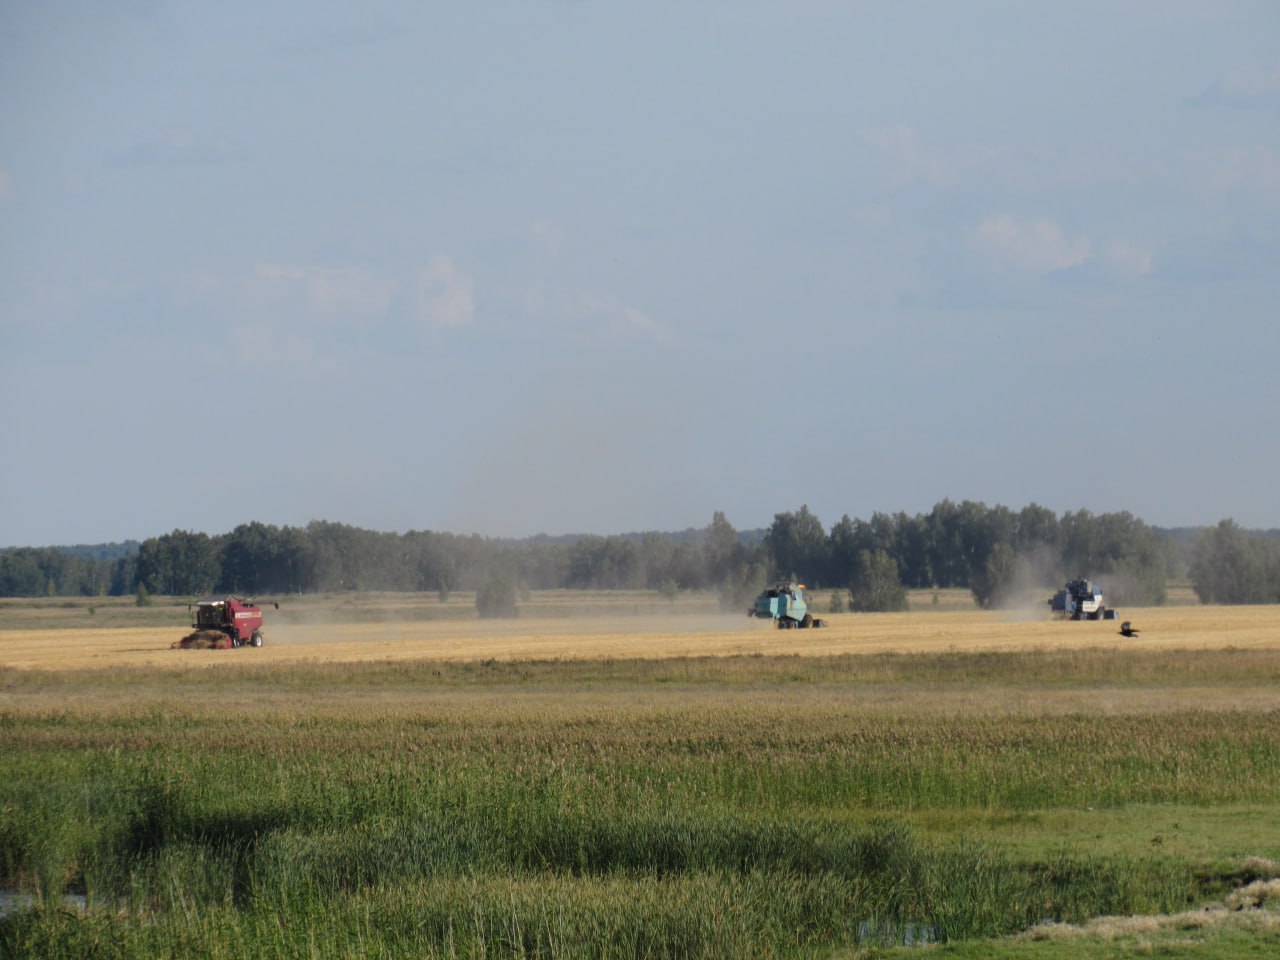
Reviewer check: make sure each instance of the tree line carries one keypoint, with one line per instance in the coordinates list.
(996, 552)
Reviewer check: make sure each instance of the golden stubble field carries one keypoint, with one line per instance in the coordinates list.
(601, 635)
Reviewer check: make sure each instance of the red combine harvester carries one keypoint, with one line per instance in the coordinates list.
(226, 623)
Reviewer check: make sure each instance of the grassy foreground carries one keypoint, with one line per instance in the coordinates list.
(989, 804)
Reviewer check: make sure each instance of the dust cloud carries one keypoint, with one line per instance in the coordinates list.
(1025, 596)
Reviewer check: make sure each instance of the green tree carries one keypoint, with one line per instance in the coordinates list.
(21, 572)
(680, 562)
(739, 589)
(948, 550)
(497, 598)
(722, 551)
(1002, 576)
(847, 539)
(181, 563)
(1230, 566)
(1037, 527)
(1118, 550)
(876, 587)
(796, 544)
(259, 557)
(124, 578)
(912, 554)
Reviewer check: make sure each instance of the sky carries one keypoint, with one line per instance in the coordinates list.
(525, 266)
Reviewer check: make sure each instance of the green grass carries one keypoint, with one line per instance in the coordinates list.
(741, 807)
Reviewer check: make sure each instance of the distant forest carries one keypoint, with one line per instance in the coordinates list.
(996, 552)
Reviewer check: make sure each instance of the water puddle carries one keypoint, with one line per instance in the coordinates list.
(888, 934)
(11, 902)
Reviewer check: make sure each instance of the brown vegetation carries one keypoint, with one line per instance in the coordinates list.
(202, 640)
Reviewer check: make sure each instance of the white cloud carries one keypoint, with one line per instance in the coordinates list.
(441, 296)
(1254, 168)
(902, 146)
(1037, 247)
(617, 320)
(262, 346)
(1125, 260)
(1252, 85)
(348, 295)
(312, 314)
(586, 316)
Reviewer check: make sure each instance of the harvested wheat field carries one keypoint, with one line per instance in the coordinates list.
(375, 637)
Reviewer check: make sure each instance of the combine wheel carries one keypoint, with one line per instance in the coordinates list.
(807, 622)
(256, 639)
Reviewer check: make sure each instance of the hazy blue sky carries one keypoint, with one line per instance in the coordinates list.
(520, 267)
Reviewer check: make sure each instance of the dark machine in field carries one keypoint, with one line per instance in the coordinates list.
(787, 603)
(1080, 600)
(221, 624)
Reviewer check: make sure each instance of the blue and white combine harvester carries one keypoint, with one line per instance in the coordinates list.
(1080, 600)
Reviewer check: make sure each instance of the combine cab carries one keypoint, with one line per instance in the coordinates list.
(229, 622)
(1080, 600)
(787, 603)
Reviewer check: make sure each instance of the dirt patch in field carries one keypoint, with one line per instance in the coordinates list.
(621, 637)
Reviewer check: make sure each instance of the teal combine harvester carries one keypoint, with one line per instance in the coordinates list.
(787, 603)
